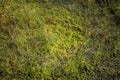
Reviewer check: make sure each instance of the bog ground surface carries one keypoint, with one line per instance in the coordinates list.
(59, 40)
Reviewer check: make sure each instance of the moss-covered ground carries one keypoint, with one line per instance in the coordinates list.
(58, 40)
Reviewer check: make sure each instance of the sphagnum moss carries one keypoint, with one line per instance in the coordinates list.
(58, 40)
